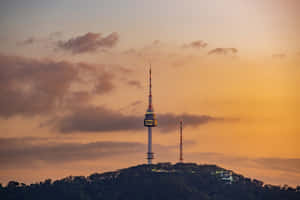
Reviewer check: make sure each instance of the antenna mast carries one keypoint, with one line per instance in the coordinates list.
(181, 146)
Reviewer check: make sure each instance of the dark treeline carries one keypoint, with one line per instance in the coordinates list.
(160, 182)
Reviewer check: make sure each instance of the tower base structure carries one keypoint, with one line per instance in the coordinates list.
(150, 157)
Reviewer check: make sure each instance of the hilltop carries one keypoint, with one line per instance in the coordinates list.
(158, 181)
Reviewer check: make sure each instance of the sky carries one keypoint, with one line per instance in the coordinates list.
(74, 83)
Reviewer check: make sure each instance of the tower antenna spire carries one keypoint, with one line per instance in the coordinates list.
(150, 87)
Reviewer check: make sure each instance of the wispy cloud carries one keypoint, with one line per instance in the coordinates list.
(50, 39)
(196, 44)
(18, 151)
(89, 42)
(28, 41)
(135, 83)
(223, 51)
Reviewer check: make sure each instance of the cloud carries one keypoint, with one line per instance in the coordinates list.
(196, 44)
(282, 164)
(136, 103)
(19, 151)
(156, 42)
(100, 119)
(28, 41)
(49, 40)
(55, 35)
(130, 51)
(104, 83)
(31, 87)
(125, 70)
(279, 56)
(90, 42)
(135, 83)
(223, 51)
(169, 121)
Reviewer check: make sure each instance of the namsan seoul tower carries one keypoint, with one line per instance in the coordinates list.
(150, 121)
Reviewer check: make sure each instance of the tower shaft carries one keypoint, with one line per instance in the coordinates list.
(149, 153)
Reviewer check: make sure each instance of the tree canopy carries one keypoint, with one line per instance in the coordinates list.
(160, 181)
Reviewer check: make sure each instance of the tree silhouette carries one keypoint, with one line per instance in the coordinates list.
(161, 181)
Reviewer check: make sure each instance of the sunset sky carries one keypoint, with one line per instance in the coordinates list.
(74, 86)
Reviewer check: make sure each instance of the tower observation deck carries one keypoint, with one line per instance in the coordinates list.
(150, 121)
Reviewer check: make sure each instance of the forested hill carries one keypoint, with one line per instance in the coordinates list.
(160, 182)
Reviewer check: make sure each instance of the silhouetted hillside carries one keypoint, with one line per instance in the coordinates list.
(160, 182)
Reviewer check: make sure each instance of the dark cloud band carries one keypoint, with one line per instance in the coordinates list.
(100, 119)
